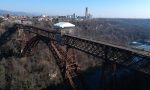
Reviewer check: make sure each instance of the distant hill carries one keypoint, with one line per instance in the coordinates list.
(4, 12)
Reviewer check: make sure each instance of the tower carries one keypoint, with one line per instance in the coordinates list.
(86, 12)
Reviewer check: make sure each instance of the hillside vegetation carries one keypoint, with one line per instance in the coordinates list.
(34, 72)
(116, 31)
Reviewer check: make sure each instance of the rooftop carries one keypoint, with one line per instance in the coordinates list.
(64, 24)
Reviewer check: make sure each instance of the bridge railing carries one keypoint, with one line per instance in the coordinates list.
(123, 48)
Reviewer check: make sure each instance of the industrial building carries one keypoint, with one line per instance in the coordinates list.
(65, 27)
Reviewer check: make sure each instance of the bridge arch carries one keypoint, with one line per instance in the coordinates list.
(33, 43)
(61, 58)
(61, 63)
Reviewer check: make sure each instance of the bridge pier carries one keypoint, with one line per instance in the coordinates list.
(22, 38)
(71, 61)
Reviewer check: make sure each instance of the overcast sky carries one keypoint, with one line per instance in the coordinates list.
(98, 8)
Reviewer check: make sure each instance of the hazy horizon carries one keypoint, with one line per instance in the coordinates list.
(98, 8)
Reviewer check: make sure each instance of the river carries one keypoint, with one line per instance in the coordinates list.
(140, 45)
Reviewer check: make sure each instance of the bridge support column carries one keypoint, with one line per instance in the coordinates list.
(71, 61)
(74, 70)
(23, 37)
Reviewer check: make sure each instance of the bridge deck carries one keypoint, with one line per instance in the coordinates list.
(129, 49)
(129, 58)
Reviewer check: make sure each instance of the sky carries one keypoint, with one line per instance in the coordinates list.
(98, 8)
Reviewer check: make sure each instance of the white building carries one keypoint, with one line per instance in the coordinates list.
(65, 27)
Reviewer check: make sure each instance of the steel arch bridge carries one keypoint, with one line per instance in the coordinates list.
(63, 52)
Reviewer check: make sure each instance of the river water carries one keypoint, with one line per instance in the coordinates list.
(140, 45)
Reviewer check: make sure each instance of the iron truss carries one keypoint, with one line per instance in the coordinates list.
(36, 30)
(111, 53)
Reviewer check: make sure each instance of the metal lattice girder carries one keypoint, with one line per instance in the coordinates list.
(85, 46)
(130, 58)
(30, 44)
(43, 32)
